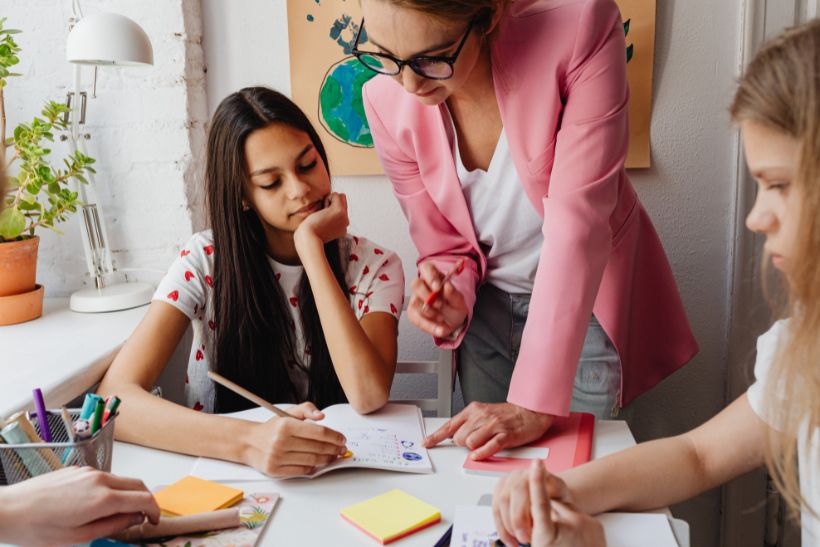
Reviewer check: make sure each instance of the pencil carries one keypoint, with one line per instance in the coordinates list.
(239, 390)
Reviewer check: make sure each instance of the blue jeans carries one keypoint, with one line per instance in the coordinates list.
(487, 355)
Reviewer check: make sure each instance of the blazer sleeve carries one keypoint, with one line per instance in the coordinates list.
(591, 147)
(435, 238)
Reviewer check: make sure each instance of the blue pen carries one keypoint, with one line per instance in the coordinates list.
(42, 417)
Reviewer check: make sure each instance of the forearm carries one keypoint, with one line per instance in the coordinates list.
(648, 476)
(363, 373)
(151, 421)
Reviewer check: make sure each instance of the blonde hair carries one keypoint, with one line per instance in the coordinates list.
(781, 89)
(484, 13)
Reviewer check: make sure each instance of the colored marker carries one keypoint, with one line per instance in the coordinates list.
(89, 404)
(433, 296)
(96, 420)
(42, 417)
(111, 406)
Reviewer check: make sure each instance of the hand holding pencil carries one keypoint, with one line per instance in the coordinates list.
(436, 306)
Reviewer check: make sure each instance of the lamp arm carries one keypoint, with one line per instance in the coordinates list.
(95, 238)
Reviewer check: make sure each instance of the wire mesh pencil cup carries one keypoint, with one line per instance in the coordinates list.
(19, 462)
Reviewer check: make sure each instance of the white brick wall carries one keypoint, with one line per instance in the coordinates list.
(147, 127)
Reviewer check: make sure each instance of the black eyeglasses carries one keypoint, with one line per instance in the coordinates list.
(426, 66)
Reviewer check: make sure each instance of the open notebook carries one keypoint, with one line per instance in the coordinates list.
(387, 439)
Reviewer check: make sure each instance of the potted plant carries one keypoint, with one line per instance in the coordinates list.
(38, 196)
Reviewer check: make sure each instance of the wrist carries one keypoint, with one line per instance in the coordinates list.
(307, 242)
(9, 514)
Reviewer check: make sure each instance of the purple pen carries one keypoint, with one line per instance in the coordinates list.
(42, 417)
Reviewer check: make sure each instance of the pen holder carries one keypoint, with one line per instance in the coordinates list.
(19, 462)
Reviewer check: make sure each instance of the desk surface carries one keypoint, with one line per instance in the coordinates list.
(63, 353)
(308, 510)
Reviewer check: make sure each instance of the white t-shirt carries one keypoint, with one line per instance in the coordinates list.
(507, 226)
(808, 457)
(375, 283)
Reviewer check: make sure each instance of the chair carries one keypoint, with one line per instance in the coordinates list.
(443, 369)
(442, 405)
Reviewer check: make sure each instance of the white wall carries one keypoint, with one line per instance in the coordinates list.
(689, 192)
(147, 127)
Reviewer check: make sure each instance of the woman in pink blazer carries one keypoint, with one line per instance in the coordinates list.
(502, 126)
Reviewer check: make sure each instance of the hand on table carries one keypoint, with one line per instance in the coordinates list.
(284, 447)
(534, 507)
(72, 505)
(446, 314)
(487, 428)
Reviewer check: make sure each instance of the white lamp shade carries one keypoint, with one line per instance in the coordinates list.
(108, 39)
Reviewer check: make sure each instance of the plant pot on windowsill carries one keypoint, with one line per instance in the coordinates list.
(21, 299)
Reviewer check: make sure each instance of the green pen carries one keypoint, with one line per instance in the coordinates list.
(96, 420)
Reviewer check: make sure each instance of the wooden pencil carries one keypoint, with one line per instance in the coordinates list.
(241, 391)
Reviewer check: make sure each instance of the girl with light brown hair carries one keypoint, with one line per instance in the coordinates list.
(777, 421)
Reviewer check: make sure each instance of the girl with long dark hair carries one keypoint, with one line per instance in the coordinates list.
(283, 302)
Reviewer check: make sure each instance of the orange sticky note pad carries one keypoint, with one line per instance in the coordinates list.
(391, 516)
(193, 495)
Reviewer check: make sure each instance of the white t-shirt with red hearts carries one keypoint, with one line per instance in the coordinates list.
(375, 283)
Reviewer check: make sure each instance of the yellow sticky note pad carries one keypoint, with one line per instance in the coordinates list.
(391, 516)
(193, 495)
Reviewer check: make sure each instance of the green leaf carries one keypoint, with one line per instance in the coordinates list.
(12, 223)
(627, 24)
(630, 52)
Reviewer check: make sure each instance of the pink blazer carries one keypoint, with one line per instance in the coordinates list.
(560, 79)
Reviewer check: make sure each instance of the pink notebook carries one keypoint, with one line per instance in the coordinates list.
(568, 442)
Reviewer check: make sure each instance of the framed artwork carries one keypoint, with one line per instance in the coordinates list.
(327, 80)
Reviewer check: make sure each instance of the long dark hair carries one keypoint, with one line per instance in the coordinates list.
(255, 340)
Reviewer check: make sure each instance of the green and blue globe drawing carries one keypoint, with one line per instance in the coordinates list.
(341, 111)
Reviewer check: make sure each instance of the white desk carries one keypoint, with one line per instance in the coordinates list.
(63, 352)
(308, 511)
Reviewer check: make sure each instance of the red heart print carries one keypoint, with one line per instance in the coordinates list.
(368, 294)
(367, 309)
(198, 406)
(173, 295)
(356, 240)
(352, 289)
(212, 325)
(184, 252)
(199, 355)
(393, 309)
(354, 257)
(278, 276)
(361, 303)
(385, 262)
(378, 251)
(384, 277)
(366, 270)
(209, 280)
(189, 275)
(292, 301)
(209, 249)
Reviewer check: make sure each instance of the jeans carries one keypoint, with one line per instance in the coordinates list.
(487, 356)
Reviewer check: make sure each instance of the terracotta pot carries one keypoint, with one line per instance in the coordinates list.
(19, 308)
(18, 266)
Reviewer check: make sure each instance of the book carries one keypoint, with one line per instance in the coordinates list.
(192, 495)
(391, 516)
(567, 444)
(474, 525)
(390, 439)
